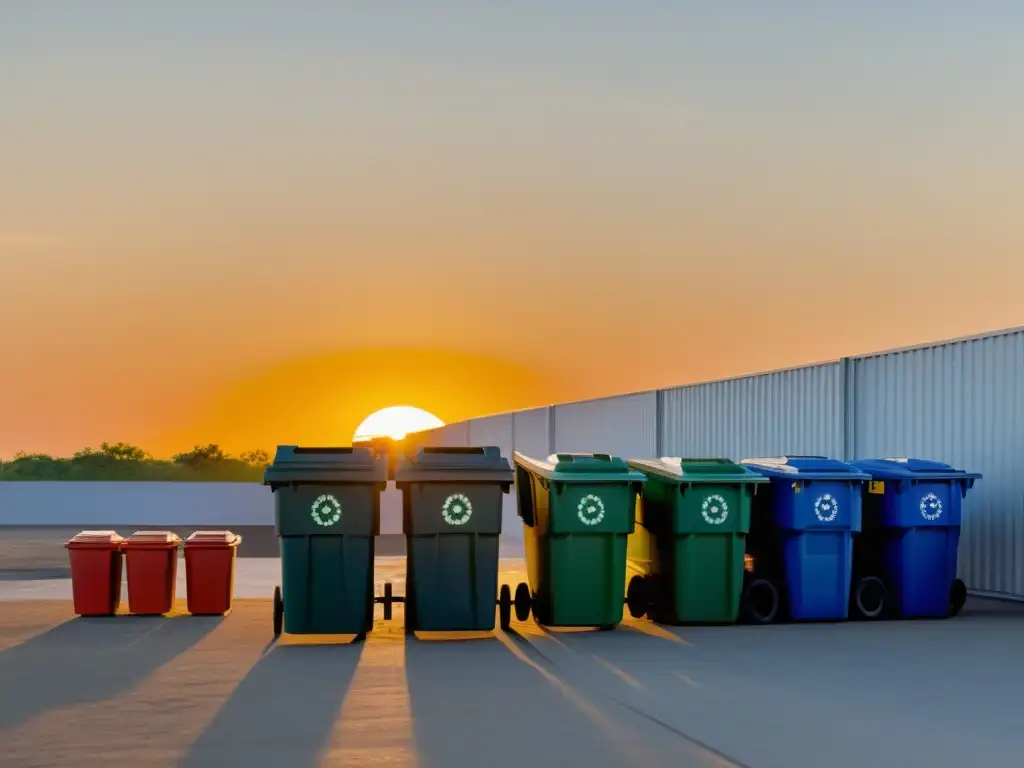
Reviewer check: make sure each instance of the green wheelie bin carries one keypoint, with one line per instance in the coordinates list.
(577, 512)
(692, 523)
(451, 517)
(327, 513)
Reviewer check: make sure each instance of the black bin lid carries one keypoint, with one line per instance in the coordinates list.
(478, 464)
(295, 464)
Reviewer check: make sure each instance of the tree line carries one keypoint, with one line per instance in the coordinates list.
(124, 462)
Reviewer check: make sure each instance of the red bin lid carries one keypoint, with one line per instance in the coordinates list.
(153, 539)
(96, 539)
(226, 538)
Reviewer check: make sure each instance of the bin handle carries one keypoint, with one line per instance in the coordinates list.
(454, 451)
(524, 496)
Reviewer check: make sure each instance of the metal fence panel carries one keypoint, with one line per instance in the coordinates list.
(624, 426)
(797, 411)
(493, 430)
(449, 436)
(961, 403)
(531, 433)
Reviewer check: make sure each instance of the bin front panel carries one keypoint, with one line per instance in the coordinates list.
(327, 584)
(430, 509)
(700, 578)
(921, 505)
(453, 579)
(920, 566)
(817, 505)
(709, 508)
(582, 580)
(591, 508)
(818, 573)
(331, 510)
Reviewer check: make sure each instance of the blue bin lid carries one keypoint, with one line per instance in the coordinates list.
(912, 469)
(806, 468)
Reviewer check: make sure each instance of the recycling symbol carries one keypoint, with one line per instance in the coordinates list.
(826, 508)
(590, 510)
(457, 509)
(931, 507)
(714, 510)
(326, 510)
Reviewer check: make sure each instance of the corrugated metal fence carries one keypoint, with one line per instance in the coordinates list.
(961, 402)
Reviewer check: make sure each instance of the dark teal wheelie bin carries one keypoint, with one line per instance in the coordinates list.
(327, 513)
(905, 558)
(451, 517)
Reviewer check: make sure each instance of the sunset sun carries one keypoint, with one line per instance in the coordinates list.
(396, 422)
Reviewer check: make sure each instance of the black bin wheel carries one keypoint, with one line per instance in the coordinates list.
(278, 612)
(870, 599)
(639, 595)
(505, 607)
(957, 597)
(760, 601)
(522, 602)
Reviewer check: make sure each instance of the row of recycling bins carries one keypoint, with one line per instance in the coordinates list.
(678, 540)
(98, 559)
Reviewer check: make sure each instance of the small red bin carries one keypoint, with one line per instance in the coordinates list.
(210, 571)
(95, 572)
(151, 558)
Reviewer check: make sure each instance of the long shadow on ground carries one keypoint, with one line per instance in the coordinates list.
(90, 660)
(283, 711)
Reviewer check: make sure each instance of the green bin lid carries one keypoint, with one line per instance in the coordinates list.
(682, 470)
(581, 468)
(294, 464)
(476, 464)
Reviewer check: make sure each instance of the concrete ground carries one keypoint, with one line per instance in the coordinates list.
(193, 691)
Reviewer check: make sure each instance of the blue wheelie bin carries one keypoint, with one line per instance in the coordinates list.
(800, 545)
(905, 558)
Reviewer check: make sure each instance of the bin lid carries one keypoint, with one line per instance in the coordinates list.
(912, 469)
(682, 470)
(152, 539)
(581, 468)
(226, 538)
(96, 539)
(477, 464)
(806, 467)
(296, 464)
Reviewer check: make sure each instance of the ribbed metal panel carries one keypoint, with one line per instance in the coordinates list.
(493, 430)
(449, 436)
(961, 403)
(531, 432)
(623, 426)
(798, 411)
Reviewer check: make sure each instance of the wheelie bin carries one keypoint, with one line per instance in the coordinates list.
(327, 512)
(696, 515)
(577, 512)
(905, 558)
(451, 517)
(801, 539)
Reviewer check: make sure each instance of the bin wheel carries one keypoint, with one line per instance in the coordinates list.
(760, 601)
(606, 627)
(278, 612)
(505, 607)
(522, 602)
(638, 596)
(870, 598)
(957, 597)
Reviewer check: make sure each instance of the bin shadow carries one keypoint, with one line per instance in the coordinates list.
(284, 710)
(89, 660)
(484, 702)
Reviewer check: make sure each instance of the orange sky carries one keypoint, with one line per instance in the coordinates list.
(208, 237)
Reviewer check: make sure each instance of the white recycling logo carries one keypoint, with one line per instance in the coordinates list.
(457, 509)
(714, 510)
(931, 507)
(826, 508)
(326, 510)
(590, 510)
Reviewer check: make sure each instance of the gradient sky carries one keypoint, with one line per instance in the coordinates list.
(257, 226)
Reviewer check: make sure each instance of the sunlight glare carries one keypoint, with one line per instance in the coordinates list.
(396, 422)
